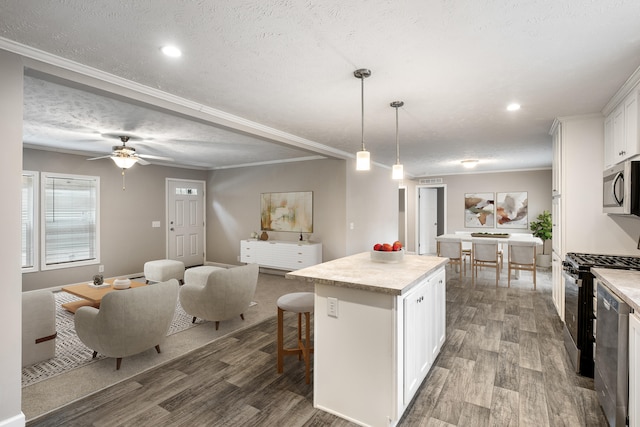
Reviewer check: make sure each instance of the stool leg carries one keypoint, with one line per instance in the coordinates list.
(280, 340)
(307, 348)
(299, 333)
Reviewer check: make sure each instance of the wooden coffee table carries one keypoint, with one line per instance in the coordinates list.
(90, 296)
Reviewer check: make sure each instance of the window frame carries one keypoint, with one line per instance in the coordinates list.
(35, 238)
(43, 248)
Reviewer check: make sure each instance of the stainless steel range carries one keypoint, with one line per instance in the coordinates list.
(579, 307)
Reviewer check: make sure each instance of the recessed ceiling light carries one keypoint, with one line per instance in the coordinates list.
(171, 51)
(513, 107)
(470, 163)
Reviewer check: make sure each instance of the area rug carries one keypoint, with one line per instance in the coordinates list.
(71, 353)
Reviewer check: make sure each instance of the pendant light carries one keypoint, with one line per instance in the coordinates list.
(398, 171)
(363, 162)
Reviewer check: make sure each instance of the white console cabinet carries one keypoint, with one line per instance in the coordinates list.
(281, 255)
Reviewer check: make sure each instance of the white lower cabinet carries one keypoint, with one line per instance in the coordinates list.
(424, 331)
(373, 356)
(634, 370)
(282, 255)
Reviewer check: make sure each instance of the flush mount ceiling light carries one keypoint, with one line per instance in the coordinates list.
(398, 171)
(171, 51)
(470, 163)
(513, 107)
(363, 162)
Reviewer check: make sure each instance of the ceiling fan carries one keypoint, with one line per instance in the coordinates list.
(125, 156)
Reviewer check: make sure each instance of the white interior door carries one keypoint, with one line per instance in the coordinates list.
(185, 221)
(428, 220)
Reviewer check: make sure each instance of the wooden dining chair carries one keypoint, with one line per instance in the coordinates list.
(522, 256)
(451, 247)
(485, 252)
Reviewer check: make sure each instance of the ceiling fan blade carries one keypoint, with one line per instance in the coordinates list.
(142, 162)
(149, 156)
(101, 157)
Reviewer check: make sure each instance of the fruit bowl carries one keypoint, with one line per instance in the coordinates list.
(390, 256)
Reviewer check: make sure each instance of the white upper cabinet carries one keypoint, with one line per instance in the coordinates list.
(621, 131)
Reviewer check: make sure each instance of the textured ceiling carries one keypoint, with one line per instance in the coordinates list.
(288, 66)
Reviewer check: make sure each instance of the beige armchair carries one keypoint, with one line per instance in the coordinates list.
(227, 293)
(129, 321)
(38, 326)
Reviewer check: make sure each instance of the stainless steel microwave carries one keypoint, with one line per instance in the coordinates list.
(621, 189)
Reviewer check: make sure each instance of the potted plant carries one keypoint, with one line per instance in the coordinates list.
(542, 228)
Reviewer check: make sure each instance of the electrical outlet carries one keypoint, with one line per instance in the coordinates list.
(101, 269)
(332, 307)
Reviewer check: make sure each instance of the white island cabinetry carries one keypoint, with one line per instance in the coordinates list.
(281, 255)
(374, 351)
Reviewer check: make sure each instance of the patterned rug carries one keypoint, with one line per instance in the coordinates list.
(71, 353)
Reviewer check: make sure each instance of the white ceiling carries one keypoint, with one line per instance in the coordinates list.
(284, 70)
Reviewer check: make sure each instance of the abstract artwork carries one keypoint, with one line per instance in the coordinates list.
(287, 212)
(479, 210)
(512, 210)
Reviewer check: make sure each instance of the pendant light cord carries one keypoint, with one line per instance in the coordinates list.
(362, 107)
(397, 140)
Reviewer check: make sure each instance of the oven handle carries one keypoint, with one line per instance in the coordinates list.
(573, 277)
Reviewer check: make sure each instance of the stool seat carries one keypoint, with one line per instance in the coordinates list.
(299, 303)
(162, 270)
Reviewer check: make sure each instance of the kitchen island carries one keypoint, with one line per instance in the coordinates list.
(378, 328)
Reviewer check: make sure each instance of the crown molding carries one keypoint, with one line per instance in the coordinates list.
(60, 67)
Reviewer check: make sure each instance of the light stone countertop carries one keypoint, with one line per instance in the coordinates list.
(359, 272)
(624, 283)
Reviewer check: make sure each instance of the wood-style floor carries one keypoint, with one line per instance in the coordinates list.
(503, 364)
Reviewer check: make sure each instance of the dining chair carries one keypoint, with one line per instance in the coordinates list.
(451, 247)
(485, 252)
(466, 247)
(522, 256)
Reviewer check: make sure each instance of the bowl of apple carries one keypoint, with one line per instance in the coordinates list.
(387, 252)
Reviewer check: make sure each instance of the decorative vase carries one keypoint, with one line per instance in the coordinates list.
(264, 236)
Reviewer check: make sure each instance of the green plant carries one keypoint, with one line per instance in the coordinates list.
(542, 227)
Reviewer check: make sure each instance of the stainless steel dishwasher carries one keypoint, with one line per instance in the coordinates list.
(611, 377)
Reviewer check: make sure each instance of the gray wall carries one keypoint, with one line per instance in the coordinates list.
(11, 69)
(537, 184)
(127, 238)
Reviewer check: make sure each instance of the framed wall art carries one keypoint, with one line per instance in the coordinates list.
(512, 210)
(287, 211)
(479, 210)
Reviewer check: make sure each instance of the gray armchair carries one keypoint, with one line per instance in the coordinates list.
(227, 293)
(129, 321)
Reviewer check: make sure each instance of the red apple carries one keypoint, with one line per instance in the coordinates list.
(377, 247)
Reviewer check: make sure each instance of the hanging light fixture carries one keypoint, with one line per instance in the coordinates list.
(124, 162)
(363, 162)
(398, 171)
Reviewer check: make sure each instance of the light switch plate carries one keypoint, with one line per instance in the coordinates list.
(155, 224)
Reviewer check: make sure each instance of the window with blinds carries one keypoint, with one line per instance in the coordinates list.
(29, 221)
(70, 226)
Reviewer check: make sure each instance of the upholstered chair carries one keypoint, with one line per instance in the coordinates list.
(485, 252)
(227, 293)
(522, 256)
(38, 326)
(451, 247)
(128, 321)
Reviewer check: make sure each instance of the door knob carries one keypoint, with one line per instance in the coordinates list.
(171, 229)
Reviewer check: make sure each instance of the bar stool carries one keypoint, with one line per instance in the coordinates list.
(300, 303)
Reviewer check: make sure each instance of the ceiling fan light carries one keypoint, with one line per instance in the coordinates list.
(397, 172)
(363, 162)
(124, 162)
